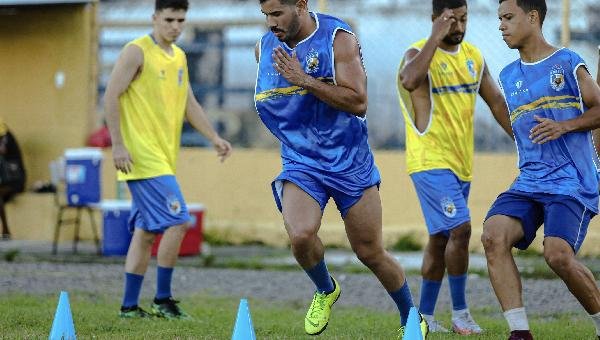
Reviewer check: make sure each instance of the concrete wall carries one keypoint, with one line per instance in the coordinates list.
(240, 207)
(40, 46)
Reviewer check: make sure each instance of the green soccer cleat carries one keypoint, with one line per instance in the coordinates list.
(424, 328)
(318, 314)
(168, 308)
(134, 312)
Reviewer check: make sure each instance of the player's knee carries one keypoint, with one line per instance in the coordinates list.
(557, 260)
(461, 234)
(300, 238)
(369, 255)
(493, 240)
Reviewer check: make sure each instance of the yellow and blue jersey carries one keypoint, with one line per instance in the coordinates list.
(153, 109)
(313, 135)
(549, 89)
(447, 142)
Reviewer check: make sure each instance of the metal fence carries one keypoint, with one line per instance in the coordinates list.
(221, 36)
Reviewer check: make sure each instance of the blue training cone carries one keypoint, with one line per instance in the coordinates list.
(62, 326)
(243, 329)
(413, 326)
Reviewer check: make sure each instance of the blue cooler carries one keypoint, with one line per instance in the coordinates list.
(115, 235)
(82, 175)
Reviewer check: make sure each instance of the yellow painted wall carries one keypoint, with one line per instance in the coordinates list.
(240, 207)
(36, 42)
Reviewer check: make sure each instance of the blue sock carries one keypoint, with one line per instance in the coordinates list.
(163, 282)
(320, 276)
(429, 294)
(133, 286)
(458, 286)
(403, 301)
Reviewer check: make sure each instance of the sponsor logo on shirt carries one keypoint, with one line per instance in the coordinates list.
(518, 84)
(519, 89)
(444, 70)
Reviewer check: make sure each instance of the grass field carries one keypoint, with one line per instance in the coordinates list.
(95, 317)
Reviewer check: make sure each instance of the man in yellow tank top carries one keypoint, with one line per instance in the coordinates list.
(438, 82)
(147, 98)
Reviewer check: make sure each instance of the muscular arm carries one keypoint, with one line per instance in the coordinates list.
(491, 94)
(126, 68)
(548, 129)
(197, 117)
(414, 72)
(590, 93)
(416, 66)
(419, 96)
(350, 92)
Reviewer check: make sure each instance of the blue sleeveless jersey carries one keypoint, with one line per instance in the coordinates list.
(549, 89)
(313, 135)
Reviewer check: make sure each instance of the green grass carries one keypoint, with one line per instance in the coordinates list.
(95, 317)
(407, 242)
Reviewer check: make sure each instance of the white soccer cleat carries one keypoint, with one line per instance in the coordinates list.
(434, 325)
(463, 323)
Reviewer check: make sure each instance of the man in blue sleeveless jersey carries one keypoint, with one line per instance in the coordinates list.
(311, 93)
(438, 82)
(147, 98)
(554, 104)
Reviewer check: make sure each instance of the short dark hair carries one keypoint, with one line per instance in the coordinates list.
(283, 2)
(531, 5)
(173, 4)
(439, 5)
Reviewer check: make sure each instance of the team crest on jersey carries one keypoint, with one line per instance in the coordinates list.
(180, 77)
(471, 68)
(557, 77)
(448, 207)
(173, 205)
(312, 62)
(163, 75)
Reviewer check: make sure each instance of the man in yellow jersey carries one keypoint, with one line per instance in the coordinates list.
(146, 100)
(438, 82)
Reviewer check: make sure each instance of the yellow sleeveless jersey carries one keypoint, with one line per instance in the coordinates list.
(447, 142)
(153, 109)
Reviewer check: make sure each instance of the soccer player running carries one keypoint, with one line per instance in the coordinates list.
(146, 99)
(554, 104)
(311, 93)
(438, 82)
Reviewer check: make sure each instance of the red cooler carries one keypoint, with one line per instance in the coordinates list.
(192, 241)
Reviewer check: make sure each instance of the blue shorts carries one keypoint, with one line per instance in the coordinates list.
(157, 204)
(345, 192)
(443, 199)
(563, 216)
